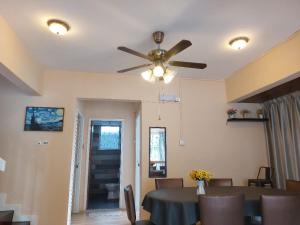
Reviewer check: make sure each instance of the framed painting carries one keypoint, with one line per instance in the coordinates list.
(44, 119)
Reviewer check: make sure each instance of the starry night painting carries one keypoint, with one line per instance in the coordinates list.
(44, 119)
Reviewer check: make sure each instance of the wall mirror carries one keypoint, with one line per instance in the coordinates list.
(157, 152)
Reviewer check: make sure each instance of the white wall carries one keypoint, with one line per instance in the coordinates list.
(38, 177)
(115, 110)
(16, 63)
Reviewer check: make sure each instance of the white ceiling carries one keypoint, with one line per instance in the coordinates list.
(98, 27)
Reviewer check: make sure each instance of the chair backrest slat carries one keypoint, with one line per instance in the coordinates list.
(222, 210)
(293, 185)
(169, 183)
(281, 210)
(220, 182)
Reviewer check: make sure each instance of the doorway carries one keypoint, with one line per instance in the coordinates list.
(104, 164)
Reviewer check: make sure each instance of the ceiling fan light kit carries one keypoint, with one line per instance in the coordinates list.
(166, 77)
(159, 59)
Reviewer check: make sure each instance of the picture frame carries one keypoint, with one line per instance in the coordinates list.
(44, 119)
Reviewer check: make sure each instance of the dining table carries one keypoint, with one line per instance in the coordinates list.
(179, 206)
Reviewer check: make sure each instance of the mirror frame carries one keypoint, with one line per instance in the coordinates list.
(149, 174)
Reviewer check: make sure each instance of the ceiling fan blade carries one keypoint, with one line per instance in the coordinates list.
(188, 64)
(134, 68)
(179, 47)
(130, 51)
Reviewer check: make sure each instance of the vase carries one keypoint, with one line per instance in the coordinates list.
(260, 116)
(200, 187)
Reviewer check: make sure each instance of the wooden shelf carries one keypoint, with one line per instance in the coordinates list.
(247, 120)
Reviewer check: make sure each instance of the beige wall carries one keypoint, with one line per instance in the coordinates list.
(41, 181)
(36, 176)
(16, 63)
(234, 150)
(279, 65)
(115, 110)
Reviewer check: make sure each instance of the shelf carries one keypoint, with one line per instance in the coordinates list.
(247, 120)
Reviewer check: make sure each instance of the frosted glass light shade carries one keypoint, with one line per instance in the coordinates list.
(147, 75)
(168, 76)
(158, 71)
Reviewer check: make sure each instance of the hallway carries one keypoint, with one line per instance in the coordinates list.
(101, 217)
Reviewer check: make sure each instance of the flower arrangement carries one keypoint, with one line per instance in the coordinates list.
(200, 175)
(231, 112)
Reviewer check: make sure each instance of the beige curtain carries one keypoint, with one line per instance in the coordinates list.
(283, 136)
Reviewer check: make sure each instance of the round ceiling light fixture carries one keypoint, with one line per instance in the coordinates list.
(239, 43)
(58, 27)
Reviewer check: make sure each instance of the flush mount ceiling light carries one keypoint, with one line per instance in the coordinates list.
(58, 27)
(239, 43)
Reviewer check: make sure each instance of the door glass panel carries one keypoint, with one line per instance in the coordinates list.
(109, 138)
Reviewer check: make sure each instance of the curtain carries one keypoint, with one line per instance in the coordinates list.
(283, 136)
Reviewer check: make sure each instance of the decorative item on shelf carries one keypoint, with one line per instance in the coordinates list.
(201, 177)
(260, 113)
(244, 113)
(231, 113)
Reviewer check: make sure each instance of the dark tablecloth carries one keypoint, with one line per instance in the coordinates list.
(180, 206)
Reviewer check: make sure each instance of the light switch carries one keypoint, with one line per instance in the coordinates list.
(43, 142)
(181, 142)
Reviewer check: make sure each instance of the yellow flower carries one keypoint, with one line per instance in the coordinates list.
(200, 175)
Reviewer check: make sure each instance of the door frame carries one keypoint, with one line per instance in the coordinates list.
(87, 162)
(138, 167)
(77, 178)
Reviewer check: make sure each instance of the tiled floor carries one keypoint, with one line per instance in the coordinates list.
(101, 217)
(103, 204)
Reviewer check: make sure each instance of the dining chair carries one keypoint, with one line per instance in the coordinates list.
(130, 208)
(220, 182)
(168, 183)
(225, 210)
(293, 185)
(280, 210)
(266, 181)
(6, 216)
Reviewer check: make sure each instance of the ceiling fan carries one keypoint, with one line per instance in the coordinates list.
(160, 59)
